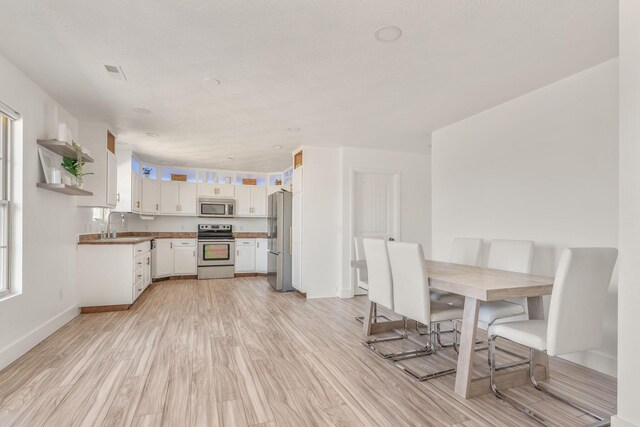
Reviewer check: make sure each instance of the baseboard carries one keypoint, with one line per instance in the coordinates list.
(595, 360)
(13, 351)
(345, 293)
(616, 421)
(250, 274)
(104, 308)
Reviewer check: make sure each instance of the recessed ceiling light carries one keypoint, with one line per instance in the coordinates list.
(277, 147)
(230, 157)
(294, 129)
(142, 110)
(211, 82)
(152, 135)
(388, 34)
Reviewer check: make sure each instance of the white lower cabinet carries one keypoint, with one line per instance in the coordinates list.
(112, 274)
(184, 257)
(261, 255)
(163, 258)
(251, 256)
(245, 256)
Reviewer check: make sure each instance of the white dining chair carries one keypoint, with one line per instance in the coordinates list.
(465, 251)
(508, 255)
(574, 323)
(380, 286)
(362, 280)
(411, 299)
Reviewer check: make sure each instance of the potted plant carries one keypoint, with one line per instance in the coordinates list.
(146, 172)
(75, 166)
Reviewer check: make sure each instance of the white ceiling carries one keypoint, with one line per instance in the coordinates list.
(311, 64)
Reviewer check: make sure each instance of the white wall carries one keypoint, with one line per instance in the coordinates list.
(43, 267)
(190, 224)
(321, 208)
(414, 173)
(629, 267)
(542, 167)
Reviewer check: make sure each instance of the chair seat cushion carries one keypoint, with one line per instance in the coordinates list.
(493, 310)
(530, 333)
(441, 312)
(448, 297)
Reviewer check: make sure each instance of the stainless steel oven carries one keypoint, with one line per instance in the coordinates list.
(216, 208)
(216, 251)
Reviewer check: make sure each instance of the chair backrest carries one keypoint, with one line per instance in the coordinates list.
(361, 273)
(578, 299)
(466, 251)
(410, 281)
(379, 272)
(511, 255)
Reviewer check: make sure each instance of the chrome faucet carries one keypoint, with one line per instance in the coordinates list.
(109, 231)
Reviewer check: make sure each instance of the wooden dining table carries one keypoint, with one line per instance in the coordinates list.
(478, 284)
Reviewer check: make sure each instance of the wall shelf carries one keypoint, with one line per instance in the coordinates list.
(63, 148)
(65, 189)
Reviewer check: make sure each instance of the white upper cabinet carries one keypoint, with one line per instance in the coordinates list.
(297, 180)
(188, 199)
(136, 193)
(177, 198)
(251, 200)
(170, 197)
(224, 191)
(150, 196)
(103, 179)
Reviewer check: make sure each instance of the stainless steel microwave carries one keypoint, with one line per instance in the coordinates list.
(216, 208)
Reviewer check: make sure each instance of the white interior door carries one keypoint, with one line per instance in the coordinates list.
(375, 209)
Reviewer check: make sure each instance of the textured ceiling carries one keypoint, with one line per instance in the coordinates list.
(310, 64)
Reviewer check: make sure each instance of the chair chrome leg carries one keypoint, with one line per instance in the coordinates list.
(427, 350)
(534, 381)
(494, 388)
(403, 335)
(380, 316)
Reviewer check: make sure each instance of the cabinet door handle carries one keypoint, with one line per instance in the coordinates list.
(157, 207)
(237, 252)
(171, 245)
(117, 197)
(257, 244)
(138, 204)
(194, 254)
(139, 275)
(148, 261)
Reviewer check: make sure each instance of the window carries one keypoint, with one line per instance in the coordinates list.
(5, 200)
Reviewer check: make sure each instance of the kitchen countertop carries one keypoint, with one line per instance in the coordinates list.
(133, 237)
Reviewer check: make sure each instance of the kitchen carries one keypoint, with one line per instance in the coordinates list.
(182, 223)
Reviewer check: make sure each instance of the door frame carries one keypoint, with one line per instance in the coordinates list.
(397, 179)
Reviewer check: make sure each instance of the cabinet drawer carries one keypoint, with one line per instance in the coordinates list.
(184, 243)
(138, 288)
(139, 248)
(245, 242)
(138, 262)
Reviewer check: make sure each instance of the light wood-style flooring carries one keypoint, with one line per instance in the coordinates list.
(235, 353)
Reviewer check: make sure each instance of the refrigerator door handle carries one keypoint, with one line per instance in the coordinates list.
(291, 240)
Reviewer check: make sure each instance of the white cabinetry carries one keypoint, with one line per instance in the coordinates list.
(251, 200)
(184, 257)
(296, 240)
(102, 181)
(245, 256)
(112, 274)
(112, 179)
(297, 180)
(163, 258)
(224, 191)
(150, 196)
(261, 255)
(177, 198)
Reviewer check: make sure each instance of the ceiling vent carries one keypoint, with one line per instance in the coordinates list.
(115, 72)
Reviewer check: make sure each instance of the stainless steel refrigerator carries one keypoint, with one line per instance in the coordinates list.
(279, 213)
